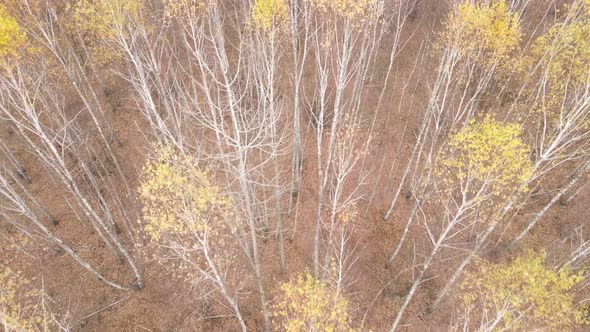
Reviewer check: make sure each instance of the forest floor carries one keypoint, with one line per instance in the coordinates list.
(375, 292)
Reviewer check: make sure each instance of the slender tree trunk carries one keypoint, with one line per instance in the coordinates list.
(554, 200)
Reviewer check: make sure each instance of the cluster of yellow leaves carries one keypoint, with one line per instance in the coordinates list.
(357, 11)
(183, 9)
(178, 197)
(565, 48)
(487, 32)
(98, 22)
(525, 287)
(564, 55)
(308, 304)
(103, 15)
(18, 311)
(349, 214)
(268, 14)
(12, 38)
(489, 152)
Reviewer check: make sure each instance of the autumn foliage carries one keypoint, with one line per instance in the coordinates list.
(269, 13)
(488, 32)
(179, 198)
(98, 23)
(19, 303)
(524, 294)
(12, 37)
(201, 156)
(307, 304)
(488, 153)
(565, 49)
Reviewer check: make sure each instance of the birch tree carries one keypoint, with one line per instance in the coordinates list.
(482, 165)
(555, 93)
(189, 217)
(342, 51)
(269, 24)
(25, 98)
(479, 41)
(306, 303)
(521, 295)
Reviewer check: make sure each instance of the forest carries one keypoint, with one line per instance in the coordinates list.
(294, 165)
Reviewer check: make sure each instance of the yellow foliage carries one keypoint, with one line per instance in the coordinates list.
(489, 152)
(18, 310)
(524, 287)
(104, 15)
(183, 9)
(565, 49)
(487, 32)
(560, 58)
(99, 21)
(349, 214)
(178, 197)
(357, 11)
(12, 38)
(267, 14)
(308, 304)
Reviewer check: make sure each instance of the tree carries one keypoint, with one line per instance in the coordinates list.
(488, 32)
(306, 303)
(97, 23)
(579, 251)
(268, 14)
(269, 26)
(61, 147)
(40, 135)
(479, 41)
(562, 100)
(212, 85)
(564, 50)
(345, 190)
(481, 167)
(190, 218)
(344, 52)
(556, 107)
(487, 152)
(22, 307)
(522, 295)
(61, 46)
(300, 25)
(584, 168)
(23, 211)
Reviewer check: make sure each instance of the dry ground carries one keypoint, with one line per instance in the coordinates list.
(168, 304)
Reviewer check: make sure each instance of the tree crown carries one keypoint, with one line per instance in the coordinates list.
(565, 49)
(356, 11)
(11, 35)
(488, 32)
(306, 303)
(268, 13)
(525, 286)
(99, 21)
(489, 152)
(178, 197)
